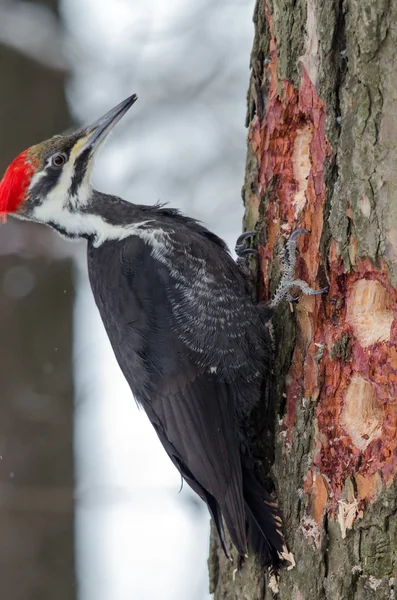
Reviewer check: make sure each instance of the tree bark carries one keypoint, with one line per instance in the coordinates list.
(322, 149)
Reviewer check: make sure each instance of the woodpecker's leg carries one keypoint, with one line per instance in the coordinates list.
(288, 258)
(242, 253)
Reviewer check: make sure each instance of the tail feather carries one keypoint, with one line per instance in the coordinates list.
(233, 511)
(265, 536)
(216, 515)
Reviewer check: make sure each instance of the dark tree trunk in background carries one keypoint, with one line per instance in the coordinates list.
(36, 458)
(36, 408)
(322, 154)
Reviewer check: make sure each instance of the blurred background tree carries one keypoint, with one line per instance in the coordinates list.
(36, 317)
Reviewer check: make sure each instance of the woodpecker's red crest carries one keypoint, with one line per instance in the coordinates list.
(15, 182)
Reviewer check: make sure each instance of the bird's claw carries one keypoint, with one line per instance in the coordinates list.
(295, 234)
(240, 248)
(247, 252)
(305, 288)
(244, 236)
(288, 259)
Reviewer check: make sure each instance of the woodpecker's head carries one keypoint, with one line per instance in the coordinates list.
(50, 182)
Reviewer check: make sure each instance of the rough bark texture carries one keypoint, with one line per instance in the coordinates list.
(321, 155)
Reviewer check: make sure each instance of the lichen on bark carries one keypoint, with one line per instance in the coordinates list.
(322, 149)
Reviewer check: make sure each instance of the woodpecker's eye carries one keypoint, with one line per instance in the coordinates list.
(58, 160)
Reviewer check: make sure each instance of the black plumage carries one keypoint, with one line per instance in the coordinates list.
(194, 350)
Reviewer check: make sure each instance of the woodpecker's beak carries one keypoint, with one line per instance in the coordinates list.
(94, 134)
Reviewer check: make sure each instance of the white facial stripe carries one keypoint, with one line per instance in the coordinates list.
(36, 177)
(83, 224)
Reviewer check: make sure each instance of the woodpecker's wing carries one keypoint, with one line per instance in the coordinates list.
(195, 425)
(190, 407)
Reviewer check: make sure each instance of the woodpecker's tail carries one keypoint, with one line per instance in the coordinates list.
(265, 536)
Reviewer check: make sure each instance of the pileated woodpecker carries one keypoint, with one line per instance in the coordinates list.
(179, 315)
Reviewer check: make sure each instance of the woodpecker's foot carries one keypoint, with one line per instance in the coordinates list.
(242, 253)
(240, 248)
(288, 258)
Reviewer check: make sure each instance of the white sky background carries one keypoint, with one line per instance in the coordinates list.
(184, 143)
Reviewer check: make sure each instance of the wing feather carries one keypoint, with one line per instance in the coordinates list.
(190, 403)
(196, 426)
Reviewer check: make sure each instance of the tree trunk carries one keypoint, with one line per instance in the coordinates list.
(321, 155)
